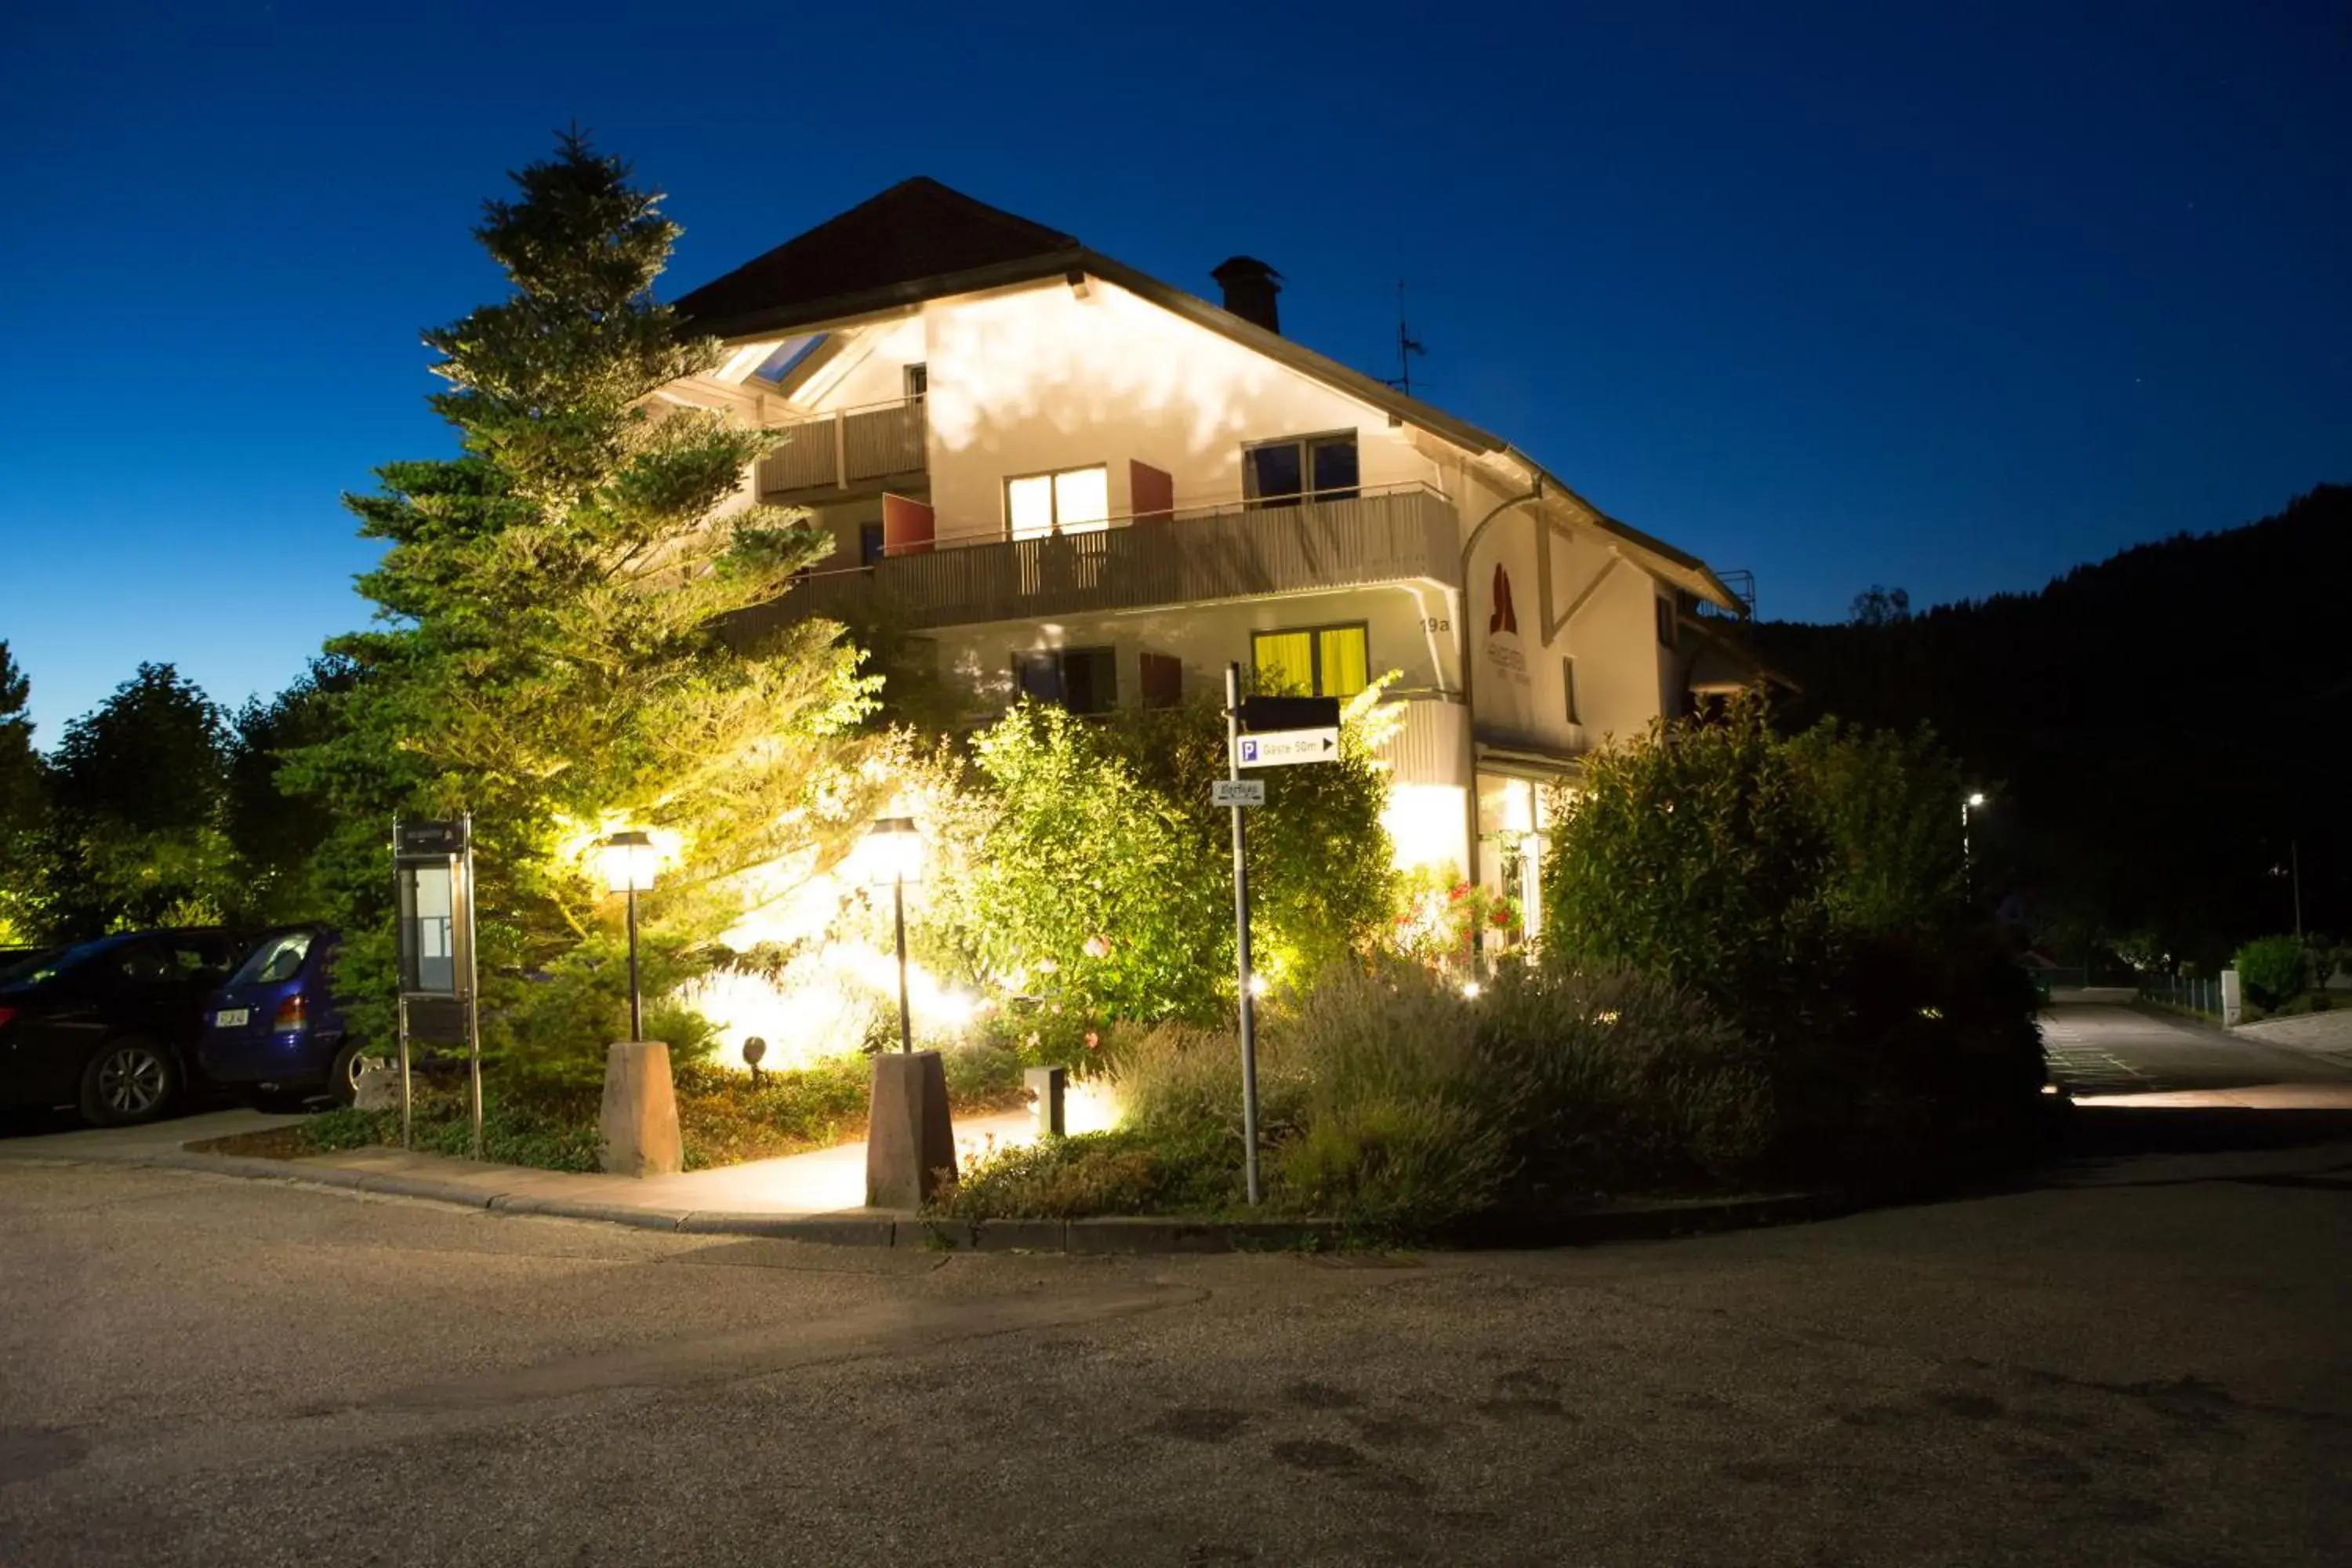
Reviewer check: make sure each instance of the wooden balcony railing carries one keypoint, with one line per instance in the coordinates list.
(1236, 552)
(846, 448)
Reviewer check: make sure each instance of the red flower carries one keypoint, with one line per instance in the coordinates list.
(1094, 1041)
(1502, 917)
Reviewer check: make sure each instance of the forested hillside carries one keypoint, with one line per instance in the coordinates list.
(2155, 729)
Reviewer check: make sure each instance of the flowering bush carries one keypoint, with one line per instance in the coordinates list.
(1438, 915)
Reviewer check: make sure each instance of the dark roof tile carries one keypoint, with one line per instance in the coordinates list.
(917, 230)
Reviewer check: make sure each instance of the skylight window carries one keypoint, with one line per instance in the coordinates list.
(787, 358)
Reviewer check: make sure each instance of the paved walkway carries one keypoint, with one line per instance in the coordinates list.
(824, 1182)
(2329, 1033)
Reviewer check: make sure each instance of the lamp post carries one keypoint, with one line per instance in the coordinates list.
(895, 856)
(629, 861)
(1968, 803)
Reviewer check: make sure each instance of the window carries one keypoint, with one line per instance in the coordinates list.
(1163, 681)
(1567, 685)
(1319, 661)
(1082, 679)
(167, 961)
(1665, 623)
(279, 959)
(787, 358)
(869, 543)
(1319, 468)
(918, 380)
(1074, 500)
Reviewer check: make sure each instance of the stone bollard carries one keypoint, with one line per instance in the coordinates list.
(377, 1087)
(640, 1120)
(909, 1138)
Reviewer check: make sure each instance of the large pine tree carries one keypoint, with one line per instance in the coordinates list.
(553, 650)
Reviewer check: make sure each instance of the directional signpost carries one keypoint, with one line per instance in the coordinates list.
(1285, 747)
(1283, 731)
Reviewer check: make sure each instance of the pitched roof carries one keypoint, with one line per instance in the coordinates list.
(919, 240)
(915, 233)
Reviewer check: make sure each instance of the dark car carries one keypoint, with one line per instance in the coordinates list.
(275, 1029)
(110, 1026)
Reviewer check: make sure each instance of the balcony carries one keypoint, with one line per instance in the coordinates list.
(1236, 552)
(846, 449)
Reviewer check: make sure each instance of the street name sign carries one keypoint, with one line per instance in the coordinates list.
(1237, 792)
(1285, 747)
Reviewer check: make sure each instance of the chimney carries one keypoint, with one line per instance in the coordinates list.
(1250, 285)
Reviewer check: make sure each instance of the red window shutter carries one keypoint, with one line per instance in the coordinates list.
(906, 527)
(1163, 681)
(1151, 492)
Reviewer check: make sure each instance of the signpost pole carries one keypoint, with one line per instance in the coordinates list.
(1242, 933)
(406, 1123)
(406, 1126)
(472, 1004)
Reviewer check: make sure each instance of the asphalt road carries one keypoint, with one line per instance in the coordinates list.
(2141, 1360)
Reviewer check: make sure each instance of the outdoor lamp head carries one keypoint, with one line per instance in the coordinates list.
(894, 851)
(1977, 799)
(628, 861)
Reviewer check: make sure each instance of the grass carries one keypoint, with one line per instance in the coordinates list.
(724, 1117)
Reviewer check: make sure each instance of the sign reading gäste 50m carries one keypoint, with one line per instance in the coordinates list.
(1283, 747)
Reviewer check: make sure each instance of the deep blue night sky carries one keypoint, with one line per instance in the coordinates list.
(1841, 294)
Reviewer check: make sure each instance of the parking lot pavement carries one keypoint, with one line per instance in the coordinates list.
(194, 1369)
(60, 1136)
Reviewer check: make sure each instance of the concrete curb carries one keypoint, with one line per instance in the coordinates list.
(1109, 1236)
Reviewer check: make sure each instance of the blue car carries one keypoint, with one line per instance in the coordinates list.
(274, 1030)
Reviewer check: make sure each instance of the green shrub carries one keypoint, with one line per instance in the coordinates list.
(1085, 856)
(1131, 1171)
(1388, 1099)
(1813, 890)
(1699, 854)
(2271, 968)
(543, 1125)
(983, 1077)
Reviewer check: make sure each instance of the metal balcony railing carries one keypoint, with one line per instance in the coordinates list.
(844, 447)
(1235, 552)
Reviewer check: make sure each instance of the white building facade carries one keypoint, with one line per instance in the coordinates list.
(1081, 484)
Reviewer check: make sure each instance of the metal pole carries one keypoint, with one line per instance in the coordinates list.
(1462, 645)
(637, 1005)
(407, 1124)
(2295, 877)
(473, 989)
(898, 912)
(1968, 865)
(1242, 936)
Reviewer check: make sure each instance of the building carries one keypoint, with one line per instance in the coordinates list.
(1084, 485)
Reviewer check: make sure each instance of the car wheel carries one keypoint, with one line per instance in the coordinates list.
(343, 1077)
(127, 1080)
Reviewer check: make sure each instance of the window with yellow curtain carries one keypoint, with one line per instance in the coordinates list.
(1319, 661)
(1339, 661)
(1286, 661)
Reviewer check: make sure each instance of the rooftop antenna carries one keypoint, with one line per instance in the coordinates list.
(1407, 346)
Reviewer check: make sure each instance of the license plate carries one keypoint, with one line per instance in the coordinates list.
(232, 1017)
